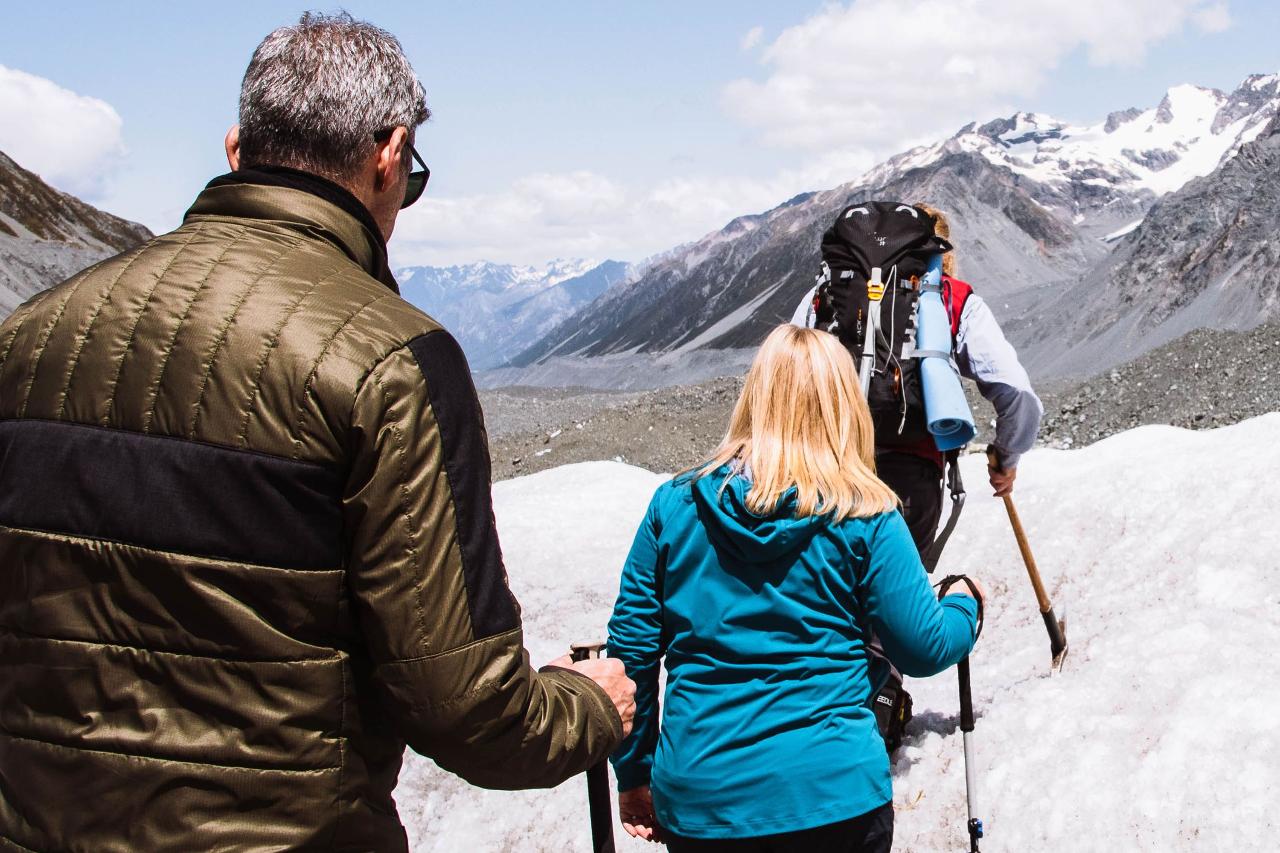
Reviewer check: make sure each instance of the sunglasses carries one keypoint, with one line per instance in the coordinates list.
(417, 180)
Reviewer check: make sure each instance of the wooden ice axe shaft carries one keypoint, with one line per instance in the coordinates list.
(1042, 597)
(1057, 631)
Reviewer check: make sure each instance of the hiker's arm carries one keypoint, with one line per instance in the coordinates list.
(987, 357)
(635, 637)
(804, 316)
(440, 627)
(920, 635)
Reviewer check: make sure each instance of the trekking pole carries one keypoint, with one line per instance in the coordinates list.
(599, 801)
(974, 824)
(1056, 627)
(970, 781)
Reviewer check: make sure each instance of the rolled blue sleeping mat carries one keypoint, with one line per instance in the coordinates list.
(946, 410)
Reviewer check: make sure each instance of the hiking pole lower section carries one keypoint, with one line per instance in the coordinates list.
(970, 771)
(974, 824)
(599, 800)
(1056, 627)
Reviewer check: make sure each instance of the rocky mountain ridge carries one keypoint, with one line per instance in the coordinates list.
(1035, 204)
(47, 236)
(1205, 256)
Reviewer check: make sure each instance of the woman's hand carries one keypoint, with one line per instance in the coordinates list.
(959, 587)
(635, 810)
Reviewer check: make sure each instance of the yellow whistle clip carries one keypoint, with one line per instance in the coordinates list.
(875, 287)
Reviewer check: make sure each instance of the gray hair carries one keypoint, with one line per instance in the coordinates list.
(315, 94)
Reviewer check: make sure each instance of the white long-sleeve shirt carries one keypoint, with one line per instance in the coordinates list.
(983, 354)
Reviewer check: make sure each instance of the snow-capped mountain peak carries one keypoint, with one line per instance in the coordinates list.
(1187, 135)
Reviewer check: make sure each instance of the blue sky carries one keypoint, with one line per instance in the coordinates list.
(606, 129)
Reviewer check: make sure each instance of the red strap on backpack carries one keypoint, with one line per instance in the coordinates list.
(955, 293)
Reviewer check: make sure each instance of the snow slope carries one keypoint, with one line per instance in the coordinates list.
(1158, 736)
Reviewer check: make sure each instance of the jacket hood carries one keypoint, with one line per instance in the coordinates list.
(737, 530)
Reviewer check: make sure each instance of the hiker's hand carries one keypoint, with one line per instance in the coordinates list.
(635, 810)
(1001, 481)
(611, 675)
(959, 587)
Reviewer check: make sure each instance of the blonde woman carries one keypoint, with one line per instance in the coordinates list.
(759, 577)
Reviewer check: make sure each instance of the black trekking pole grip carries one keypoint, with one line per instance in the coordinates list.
(966, 696)
(599, 800)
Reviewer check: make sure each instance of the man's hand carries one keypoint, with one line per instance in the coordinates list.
(1001, 479)
(635, 810)
(611, 675)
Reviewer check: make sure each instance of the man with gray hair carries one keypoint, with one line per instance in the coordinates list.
(247, 547)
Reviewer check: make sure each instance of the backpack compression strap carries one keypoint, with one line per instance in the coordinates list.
(955, 293)
(933, 553)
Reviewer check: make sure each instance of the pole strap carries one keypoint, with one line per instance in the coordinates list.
(955, 486)
(973, 590)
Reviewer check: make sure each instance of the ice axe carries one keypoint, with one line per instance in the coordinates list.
(1056, 627)
(599, 802)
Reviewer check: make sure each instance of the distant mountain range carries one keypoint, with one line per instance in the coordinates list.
(47, 236)
(1094, 244)
(495, 310)
(498, 310)
(1039, 208)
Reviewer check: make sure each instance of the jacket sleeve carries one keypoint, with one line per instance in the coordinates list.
(804, 316)
(986, 356)
(635, 638)
(920, 635)
(429, 589)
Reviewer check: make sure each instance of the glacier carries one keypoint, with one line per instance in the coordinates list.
(1158, 735)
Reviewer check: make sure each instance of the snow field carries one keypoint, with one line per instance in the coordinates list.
(1158, 735)
(1159, 547)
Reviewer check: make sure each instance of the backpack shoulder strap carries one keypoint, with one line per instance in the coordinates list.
(955, 293)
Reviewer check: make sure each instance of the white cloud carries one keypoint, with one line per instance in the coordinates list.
(582, 214)
(876, 73)
(752, 38)
(70, 140)
(1214, 19)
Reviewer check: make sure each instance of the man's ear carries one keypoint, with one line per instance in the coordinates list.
(232, 143)
(388, 166)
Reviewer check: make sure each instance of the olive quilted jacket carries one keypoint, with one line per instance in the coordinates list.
(247, 551)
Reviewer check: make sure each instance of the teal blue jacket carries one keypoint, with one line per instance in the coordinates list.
(763, 622)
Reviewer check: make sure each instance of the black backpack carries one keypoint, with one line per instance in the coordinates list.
(900, 240)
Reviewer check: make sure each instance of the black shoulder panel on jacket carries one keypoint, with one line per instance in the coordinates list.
(466, 463)
(169, 494)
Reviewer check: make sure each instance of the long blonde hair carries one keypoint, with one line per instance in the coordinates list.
(802, 422)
